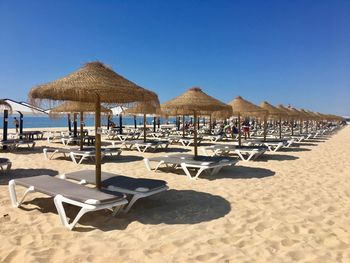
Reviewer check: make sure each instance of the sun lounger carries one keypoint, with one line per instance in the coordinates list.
(55, 151)
(190, 141)
(186, 162)
(4, 162)
(79, 156)
(215, 138)
(142, 146)
(70, 193)
(129, 136)
(13, 145)
(70, 139)
(273, 145)
(136, 188)
(246, 153)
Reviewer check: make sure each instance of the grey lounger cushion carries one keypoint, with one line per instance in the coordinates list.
(53, 186)
(120, 181)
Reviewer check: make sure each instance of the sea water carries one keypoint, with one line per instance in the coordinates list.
(47, 122)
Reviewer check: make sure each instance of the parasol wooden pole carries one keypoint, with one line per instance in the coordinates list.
(265, 127)
(280, 127)
(69, 124)
(81, 130)
(195, 133)
(144, 127)
(292, 127)
(75, 125)
(5, 125)
(135, 125)
(98, 141)
(239, 129)
(210, 125)
(154, 124)
(307, 126)
(120, 123)
(183, 126)
(301, 126)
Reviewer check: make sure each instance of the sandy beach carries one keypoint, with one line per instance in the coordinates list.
(290, 206)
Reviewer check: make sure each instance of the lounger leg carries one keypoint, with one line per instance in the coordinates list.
(13, 195)
(45, 153)
(158, 165)
(198, 173)
(147, 163)
(240, 155)
(130, 204)
(59, 199)
(251, 155)
(73, 158)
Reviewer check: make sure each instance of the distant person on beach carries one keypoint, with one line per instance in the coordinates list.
(16, 123)
(246, 127)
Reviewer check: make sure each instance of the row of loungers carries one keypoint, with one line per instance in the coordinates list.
(188, 162)
(245, 153)
(77, 155)
(141, 146)
(119, 192)
(14, 144)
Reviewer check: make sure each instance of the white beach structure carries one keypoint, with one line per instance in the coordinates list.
(23, 109)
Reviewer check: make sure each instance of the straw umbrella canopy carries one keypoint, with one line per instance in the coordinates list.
(290, 115)
(242, 107)
(222, 114)
(308, 117)
(193, 102)
(300, 115)
(77, 107)
(144, 108)
(287, 113)
(274, 113)
(97, 83)
(313, 115)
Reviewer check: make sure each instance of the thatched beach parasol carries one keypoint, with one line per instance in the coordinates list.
(77, 107)
(290, 115)
(144, 108)
(193, 102)
(300, 115)
(97, 83)
(242, 107)
(274, 113)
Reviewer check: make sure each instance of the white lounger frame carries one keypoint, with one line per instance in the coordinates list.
(84, 155)
(89, 206)
(185, 166)
(143, 147)
(253, 153)
(135, 194)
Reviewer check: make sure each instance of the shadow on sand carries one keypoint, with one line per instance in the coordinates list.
(171, 207)
(295, 149)
(232, 172)
(275, 157)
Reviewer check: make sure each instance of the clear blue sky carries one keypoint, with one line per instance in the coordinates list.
(295, 52)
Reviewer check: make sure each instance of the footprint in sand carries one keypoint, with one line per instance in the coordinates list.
(296, 255)
(5, 218)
